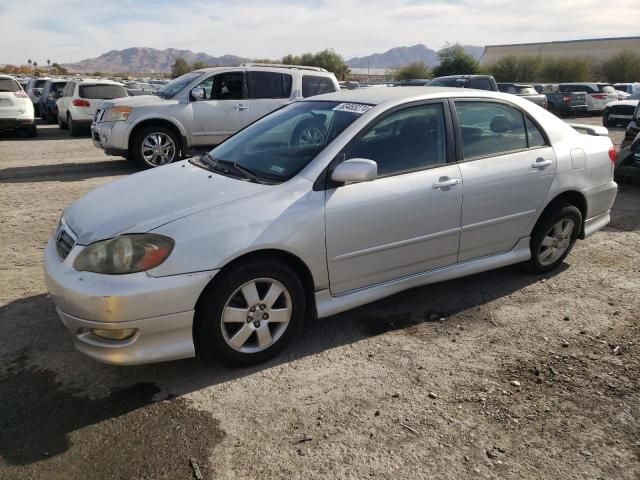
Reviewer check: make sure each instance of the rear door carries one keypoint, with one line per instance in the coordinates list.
(267, 91)
(507, 168)
(63, 101)
(223, 111)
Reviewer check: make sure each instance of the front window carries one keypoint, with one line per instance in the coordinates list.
(105, 92)
(177, 84)
(281, 144)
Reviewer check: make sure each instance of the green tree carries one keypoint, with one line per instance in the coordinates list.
(622, 67)
(180, 67)
(454, 60)
(199, 65)
(57, 69)
(565, 69)
(327, 59)
(414, 70)
(97, 74)
(514, 68)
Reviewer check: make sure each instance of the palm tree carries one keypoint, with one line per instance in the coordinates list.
(48, 64)
(29, 62)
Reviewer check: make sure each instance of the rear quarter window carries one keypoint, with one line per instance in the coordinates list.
(106, 92)
(315, 85)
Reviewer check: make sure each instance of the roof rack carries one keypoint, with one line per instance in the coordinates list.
(282, 65)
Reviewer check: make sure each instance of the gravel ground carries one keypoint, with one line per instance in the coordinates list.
(498, 375)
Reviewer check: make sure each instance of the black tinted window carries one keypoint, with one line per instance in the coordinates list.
(8, 85)
(57, 87)
(447, 82)
(312, 85)
(106, 92)
(409, 139)
(228, 86)
(490, 128)
(480, 84)
(534, 135)
(268, 85)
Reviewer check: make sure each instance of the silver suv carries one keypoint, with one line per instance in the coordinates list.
(201, 109)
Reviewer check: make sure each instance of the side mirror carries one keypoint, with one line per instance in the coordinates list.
(198, 93)
(355, 170)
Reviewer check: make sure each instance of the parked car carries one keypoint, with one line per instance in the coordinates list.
(415, 82)
(479, 82)
(632, 130)
(629, 88)
(80, 99)
(598, 94)
(16, 109)
(200, 109)
(628, 160)
(319, 207)
(620, 112)
(562, 103)
(34, 89)
(524, 91)
(51, 92)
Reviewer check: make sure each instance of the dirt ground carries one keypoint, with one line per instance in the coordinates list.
(498, 375)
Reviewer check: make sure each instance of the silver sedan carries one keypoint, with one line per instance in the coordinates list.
(321, 206)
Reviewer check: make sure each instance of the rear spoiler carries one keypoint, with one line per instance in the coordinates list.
(590, 129)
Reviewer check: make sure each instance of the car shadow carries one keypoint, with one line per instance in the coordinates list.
(45, 132)
(67, 172)
(48, 390)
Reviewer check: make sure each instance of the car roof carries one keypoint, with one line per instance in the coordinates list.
(92, 81)
(377, 96)
(281, 69)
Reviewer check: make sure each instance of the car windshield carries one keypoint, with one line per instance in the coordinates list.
(8, 85)
(278, 146)
(105, 91)
(177, 84)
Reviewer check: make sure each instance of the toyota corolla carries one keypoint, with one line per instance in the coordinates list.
(321, 206)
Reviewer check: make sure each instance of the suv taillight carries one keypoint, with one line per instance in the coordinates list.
(599, 96)
(78, 102)
(566, 98)
(21, 94)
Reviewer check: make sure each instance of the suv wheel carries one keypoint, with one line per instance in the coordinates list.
(62, 124)
(250, 315)
(553, 238)
(155, 146)
(606, 121)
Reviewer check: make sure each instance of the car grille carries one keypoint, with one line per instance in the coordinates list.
(622, 110)
(64, 243)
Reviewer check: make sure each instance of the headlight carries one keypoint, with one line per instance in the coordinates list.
(124, 254)
(116, 114)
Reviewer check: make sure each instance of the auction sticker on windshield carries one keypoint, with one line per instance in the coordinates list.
(358, 108)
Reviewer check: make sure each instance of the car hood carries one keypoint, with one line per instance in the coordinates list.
(144, 201)
(631, 103)
(136, 101)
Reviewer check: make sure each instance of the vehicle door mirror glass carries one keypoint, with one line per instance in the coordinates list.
(355, 170)
(198, 93)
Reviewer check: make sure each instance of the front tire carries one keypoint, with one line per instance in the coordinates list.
(553, 238)
(249, 314)
(155, 146)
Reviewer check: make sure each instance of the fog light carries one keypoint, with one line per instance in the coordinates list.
(119, 334)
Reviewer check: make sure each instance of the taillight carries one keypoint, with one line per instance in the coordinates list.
(566, 98)
(79, 102)
(599, 97)
(21, 94)
(612, 155)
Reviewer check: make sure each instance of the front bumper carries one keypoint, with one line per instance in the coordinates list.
(112, 137)
(161, 310)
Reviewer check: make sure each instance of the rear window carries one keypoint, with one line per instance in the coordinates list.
(8, 85)
(607, 88)
(447, 82)
(39, 83)
(106, 92)
(312, 85)
(58, 87)
(526, 90)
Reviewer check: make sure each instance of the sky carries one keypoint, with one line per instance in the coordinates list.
(67, 31)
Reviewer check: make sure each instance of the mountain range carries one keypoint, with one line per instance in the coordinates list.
(143, 59)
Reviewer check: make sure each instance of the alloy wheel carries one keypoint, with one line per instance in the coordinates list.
(556, 242)
(311, 137)
(256, 315)
(158, 149)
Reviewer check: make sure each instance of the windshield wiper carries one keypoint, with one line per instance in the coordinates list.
(248, 174)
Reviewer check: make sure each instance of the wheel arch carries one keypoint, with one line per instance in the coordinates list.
(571, 197)
(158, 122)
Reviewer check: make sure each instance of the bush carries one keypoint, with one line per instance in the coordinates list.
(413, 70)
(515, 69)
(622, 67)
(566, 69)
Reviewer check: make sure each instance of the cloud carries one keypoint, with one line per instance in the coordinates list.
(271, 29)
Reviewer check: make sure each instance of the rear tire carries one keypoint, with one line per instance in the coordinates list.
(74, 128)
(62, 124)
(553, 238)
(31, 131)
(247, 338)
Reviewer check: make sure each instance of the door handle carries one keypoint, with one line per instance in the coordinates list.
(446, 182)
(541, 163)
(239, 107)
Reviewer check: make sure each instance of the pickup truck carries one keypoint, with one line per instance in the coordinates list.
(524, 91)
(562, 103)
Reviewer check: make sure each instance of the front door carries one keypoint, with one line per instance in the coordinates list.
(507, 171)
(406, 221)
(223, 111)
